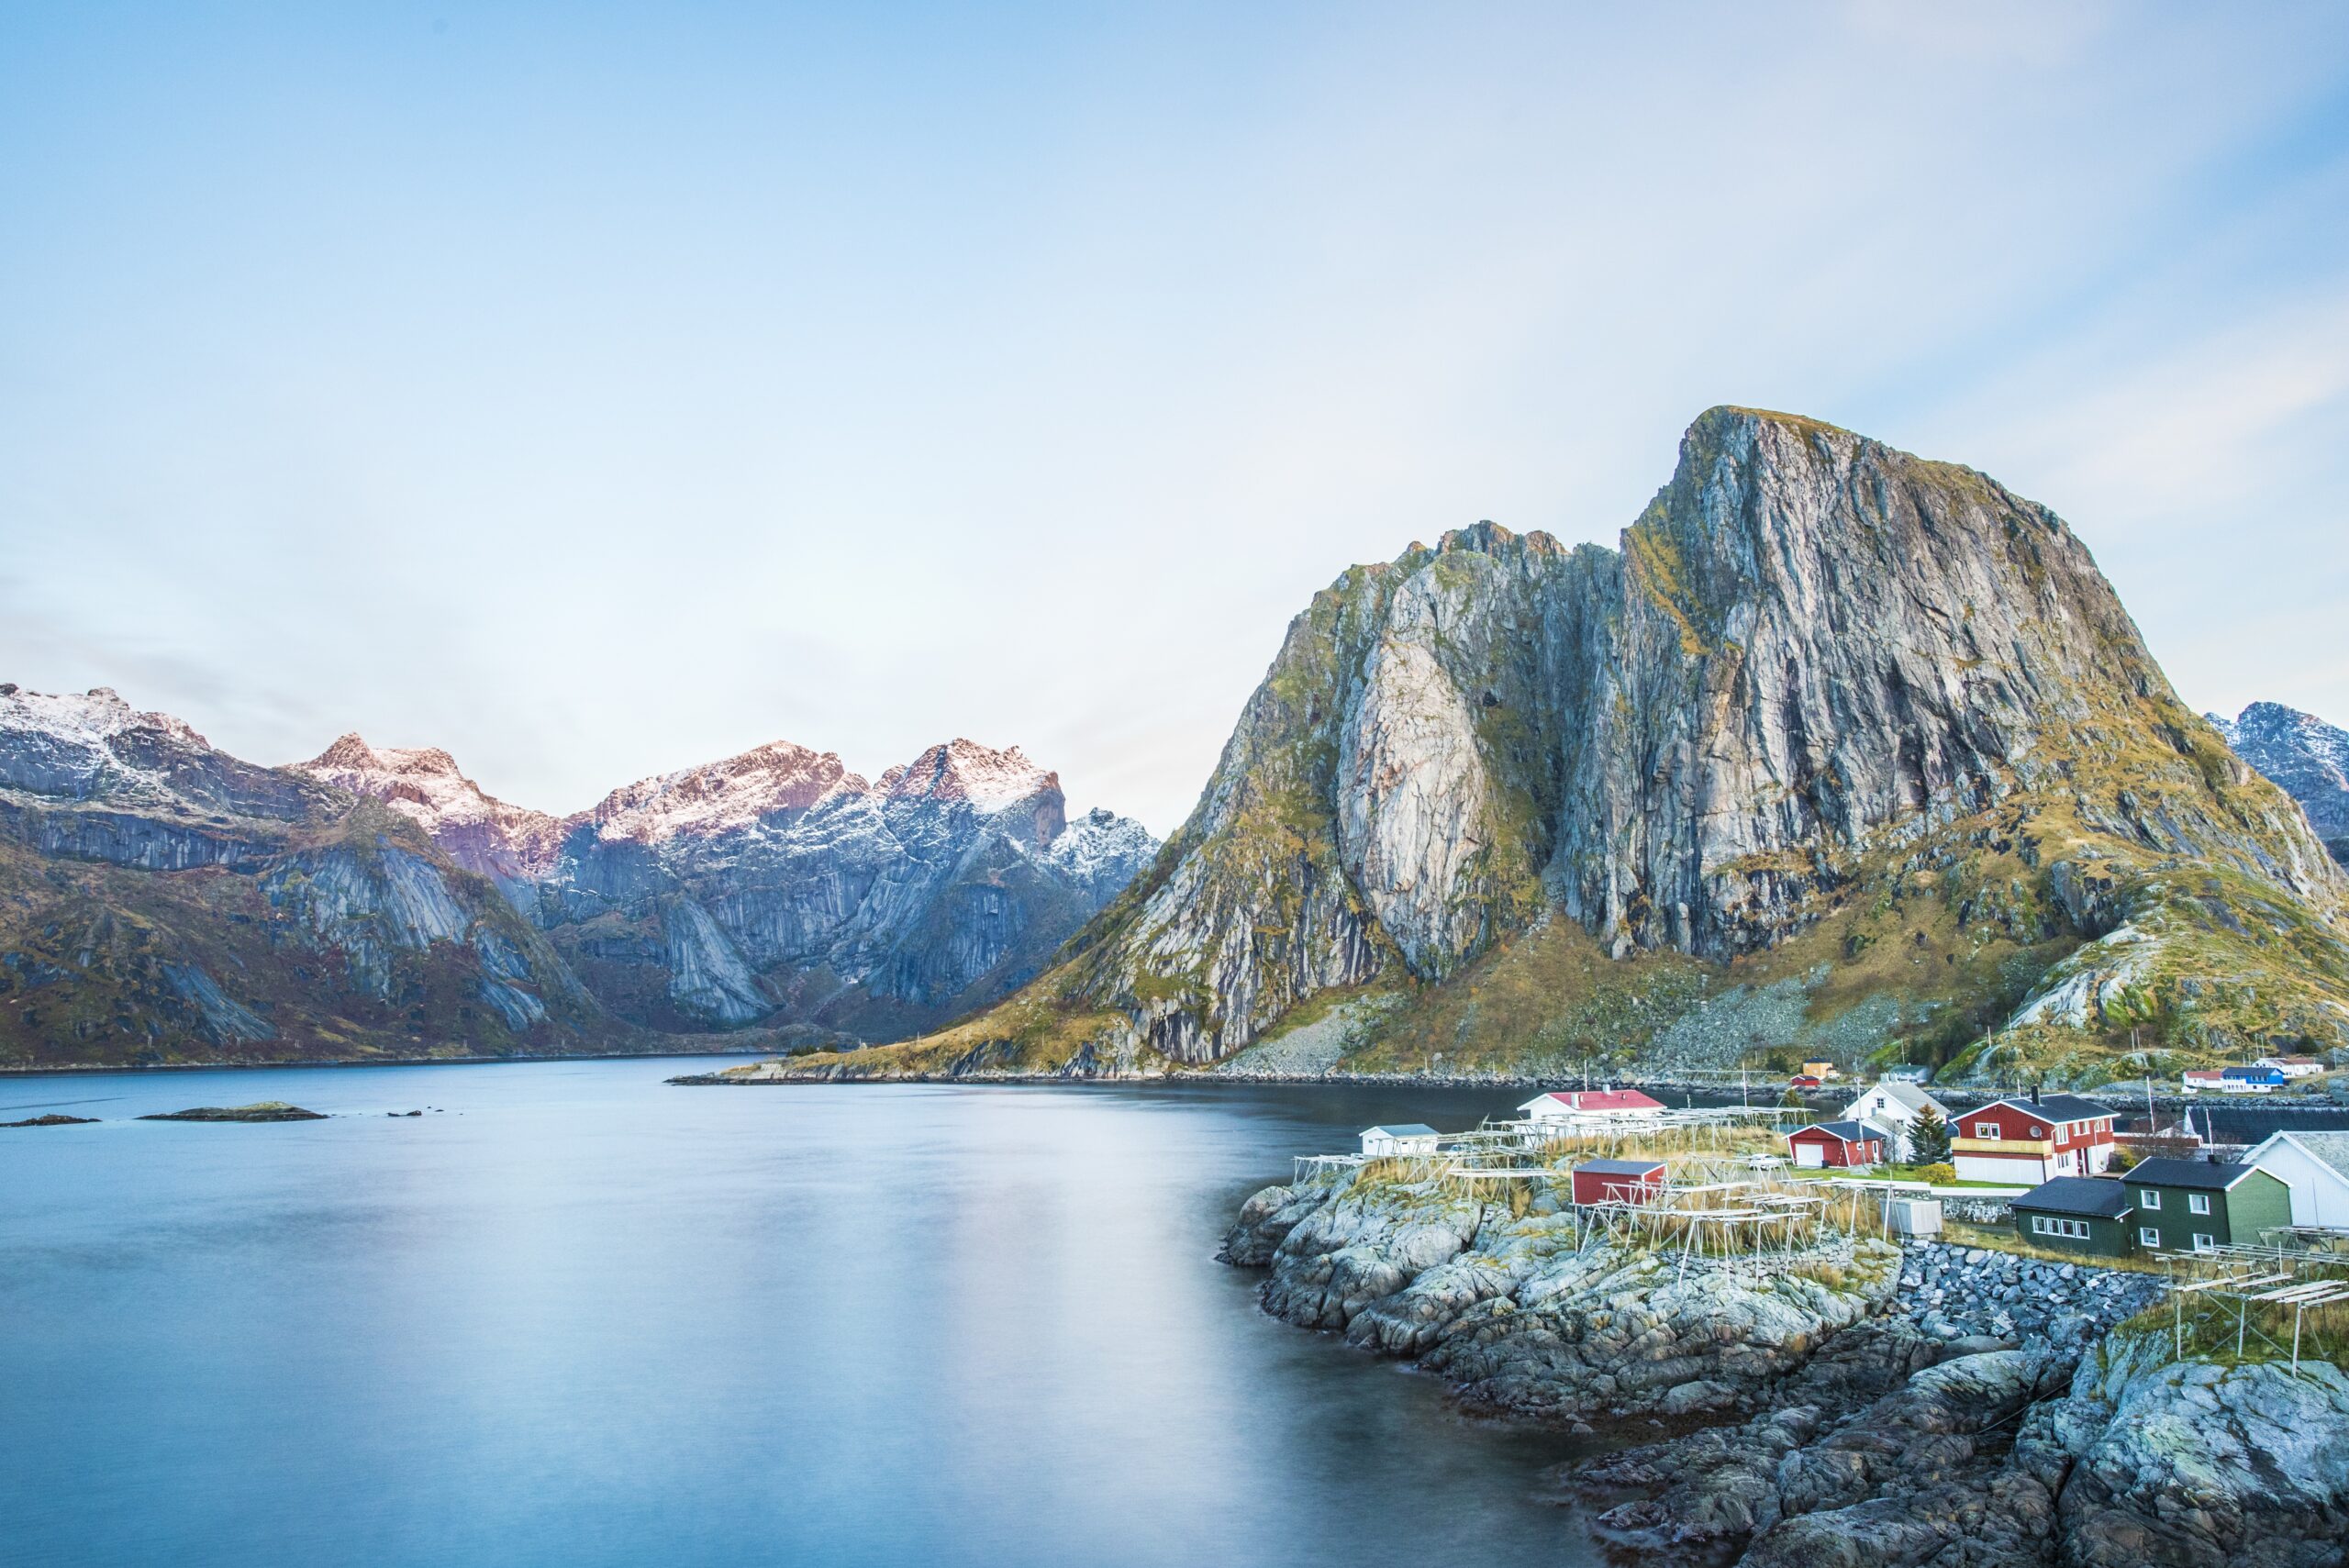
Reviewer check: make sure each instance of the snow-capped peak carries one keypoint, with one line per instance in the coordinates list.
(421, 781)
(991, 780)
(89, 718)
(721, 796)
(1102, 850)
(90, 744)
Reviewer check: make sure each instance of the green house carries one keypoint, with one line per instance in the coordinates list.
(2089, 1215)
(2191, 1205)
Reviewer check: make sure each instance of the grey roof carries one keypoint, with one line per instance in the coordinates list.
(2206, 1175)
(1407, 1129)
(2055, 1108)
(1620, 1167)
(1913, 1096)
(2098, 1197)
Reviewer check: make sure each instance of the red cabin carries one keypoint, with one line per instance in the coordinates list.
(1847, 1143)
(1618, 1181)
(1802, 1081)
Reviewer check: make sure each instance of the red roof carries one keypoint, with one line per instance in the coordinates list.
(1603, 1100)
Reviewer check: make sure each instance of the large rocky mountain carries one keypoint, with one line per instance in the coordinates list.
(2306, 758)
(1841, 750)
(160, 900)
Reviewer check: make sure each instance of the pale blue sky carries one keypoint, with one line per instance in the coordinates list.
(596, 390)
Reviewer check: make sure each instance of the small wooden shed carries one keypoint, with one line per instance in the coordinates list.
(1402, 1137)
(1618, 1181)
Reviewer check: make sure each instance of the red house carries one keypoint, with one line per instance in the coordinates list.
(1618, 1181)
(1836, 1144)
(2032, 1140)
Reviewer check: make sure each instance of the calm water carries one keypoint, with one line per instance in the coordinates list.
(582, 1317)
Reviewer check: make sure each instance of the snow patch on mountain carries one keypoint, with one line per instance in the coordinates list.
(989, 780)
(778, 780)
(87, 744)
(1101, 851)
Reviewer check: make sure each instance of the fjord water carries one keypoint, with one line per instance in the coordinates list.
(579, 1317)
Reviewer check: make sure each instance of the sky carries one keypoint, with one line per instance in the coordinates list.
(597, 390)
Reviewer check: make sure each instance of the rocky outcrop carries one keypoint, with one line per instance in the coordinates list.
(1820, 684)
(1521, 1315)
(2304, 756)
(2196, 1465)
(1867, 1419)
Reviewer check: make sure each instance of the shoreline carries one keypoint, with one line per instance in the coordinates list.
(12, 1071)
(1967, 1095)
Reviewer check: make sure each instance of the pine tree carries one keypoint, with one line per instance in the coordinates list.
(1928, 1140)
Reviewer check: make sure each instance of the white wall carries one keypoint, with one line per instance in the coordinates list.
(2319, 1195)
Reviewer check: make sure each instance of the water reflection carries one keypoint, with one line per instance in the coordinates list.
(579, 1318)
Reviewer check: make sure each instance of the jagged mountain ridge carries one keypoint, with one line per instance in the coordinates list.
(777, 886)
(1831, 714)
(2303, 756)
(163, 900)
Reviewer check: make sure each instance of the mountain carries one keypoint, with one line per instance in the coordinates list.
(1841, 751)
(2305, 757)
(163, 901)
(160, 900)
(777, 887)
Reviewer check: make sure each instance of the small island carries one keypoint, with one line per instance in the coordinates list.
(51, 1121)
(260, 1110)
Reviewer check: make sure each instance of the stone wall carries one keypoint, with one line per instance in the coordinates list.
(1953, 1292)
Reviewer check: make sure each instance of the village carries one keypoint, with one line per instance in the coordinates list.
(2249, 1243)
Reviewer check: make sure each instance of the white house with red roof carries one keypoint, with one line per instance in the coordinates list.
(2034, 1139)
(1573, 1104)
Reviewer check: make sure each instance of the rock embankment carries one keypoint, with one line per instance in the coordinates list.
(261, 1110)
(1952, 1292)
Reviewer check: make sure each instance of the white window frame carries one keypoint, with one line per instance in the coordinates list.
(2148, 1237)
(2148, 1198)
(2205, 1243)
(2049, 1224)
(2197, 1203)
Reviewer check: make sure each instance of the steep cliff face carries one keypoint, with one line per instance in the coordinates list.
(2304, 756)
(160, 900)
(778, 887)
(1841, 745)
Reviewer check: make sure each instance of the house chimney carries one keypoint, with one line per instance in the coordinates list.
(2034, 1093)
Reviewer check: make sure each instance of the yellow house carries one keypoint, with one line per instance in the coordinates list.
(1823, 1070)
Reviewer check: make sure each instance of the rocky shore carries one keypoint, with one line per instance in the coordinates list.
(1860, 1404)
